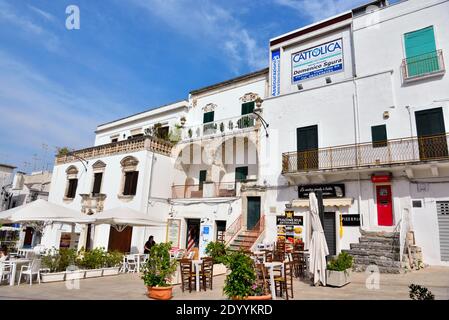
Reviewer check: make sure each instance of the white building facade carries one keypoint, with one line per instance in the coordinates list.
(355, 106)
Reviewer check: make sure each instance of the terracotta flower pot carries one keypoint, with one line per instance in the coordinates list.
(160, 293)
(265, 297)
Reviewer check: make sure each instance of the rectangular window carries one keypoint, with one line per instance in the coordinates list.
(241, 173)
(114, 140)
(162, 132)
(209, 127)
(97, 183)
(420, 50)
(130, 183)
(71, 191)
(379, 136)
(202, 178)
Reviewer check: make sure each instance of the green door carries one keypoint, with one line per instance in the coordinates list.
(246, 121)
(420, 50)
(431, 134)
(253, 212)
(307, 147)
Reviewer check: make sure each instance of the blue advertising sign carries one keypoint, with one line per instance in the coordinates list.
(317, 61)
(275, 72)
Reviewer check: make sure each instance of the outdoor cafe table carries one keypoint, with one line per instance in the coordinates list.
(197, 265)
(271, 266)
(14, 264)
(259, 254)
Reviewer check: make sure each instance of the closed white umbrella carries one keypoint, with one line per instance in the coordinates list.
(318, 244)
(120, 217)
(43, 211)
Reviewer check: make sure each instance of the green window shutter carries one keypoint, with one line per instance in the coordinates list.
(208, 117)
(247, 107)
(420, 50)
(379, 136)
(241, 173)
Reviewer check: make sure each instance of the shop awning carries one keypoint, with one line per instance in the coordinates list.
(330, 202)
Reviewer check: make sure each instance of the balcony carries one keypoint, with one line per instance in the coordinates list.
(148, 143)
(423, 66)
(205, 190)
(222, 127)
(364, 155)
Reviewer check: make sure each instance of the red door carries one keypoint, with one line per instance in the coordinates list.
(384, 206)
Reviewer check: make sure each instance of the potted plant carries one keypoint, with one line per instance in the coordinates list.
(258, 292)
(69, 261)
(112, 262)
(217, 250)
(158, 272)
(240, 281)
(50, 261)
(93, 261)
(339, 270)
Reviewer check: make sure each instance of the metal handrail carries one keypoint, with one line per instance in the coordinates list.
(423, 65)
(233, 229)
(393, 151)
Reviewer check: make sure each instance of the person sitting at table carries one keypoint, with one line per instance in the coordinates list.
(4, 253)
(148, 245)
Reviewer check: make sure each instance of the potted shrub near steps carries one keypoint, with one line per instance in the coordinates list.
(338, 271)
(158, 272)
(217, 250)
(241, 282)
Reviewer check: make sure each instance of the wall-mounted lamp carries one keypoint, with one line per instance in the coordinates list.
(386, 115)
(300, 87)
(328, 80)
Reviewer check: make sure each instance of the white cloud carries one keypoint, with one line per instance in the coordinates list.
(319, 10)
(31, 30)
(207, 21)
(42, 13)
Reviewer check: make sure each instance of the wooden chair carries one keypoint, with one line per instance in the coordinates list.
(280, 246)
(279, 256)
(187, 275)
(285, 282)
(268, 256)
(262, 277)
(207, 273)
(299, 246)
(298, 263)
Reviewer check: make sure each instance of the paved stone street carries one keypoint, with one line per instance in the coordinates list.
(130, 286)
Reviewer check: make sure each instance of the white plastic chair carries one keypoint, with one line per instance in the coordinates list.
(131, 263)
(5, 271)
(33, 269)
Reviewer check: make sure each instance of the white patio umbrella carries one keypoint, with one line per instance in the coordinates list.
(43, 211)
(318, 244)
(121, 217)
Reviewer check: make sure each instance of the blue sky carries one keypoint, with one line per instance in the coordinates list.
(57, 85)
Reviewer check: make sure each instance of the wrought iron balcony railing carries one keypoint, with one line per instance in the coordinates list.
(220, 127)
(204, 190)
(131, 145)
(422, 66)
(390, 152)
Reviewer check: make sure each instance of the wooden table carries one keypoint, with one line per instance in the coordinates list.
(271, 266)
(14, 263)
(197, 265)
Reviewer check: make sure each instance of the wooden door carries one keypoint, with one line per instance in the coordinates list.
(307, 148)
(431, 134)
(120, 241)
(253, 212)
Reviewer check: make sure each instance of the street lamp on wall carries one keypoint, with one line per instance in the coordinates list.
(256, 114)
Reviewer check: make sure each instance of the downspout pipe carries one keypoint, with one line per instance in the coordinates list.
(149, 187)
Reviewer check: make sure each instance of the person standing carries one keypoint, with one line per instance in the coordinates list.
(148, 245)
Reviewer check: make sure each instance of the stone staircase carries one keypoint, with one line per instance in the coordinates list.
(244, 240)
(377, 248)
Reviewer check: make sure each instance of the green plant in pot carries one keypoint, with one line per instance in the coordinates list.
(339, 270)
(216, 250)
(240, 282)
(158, 272)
